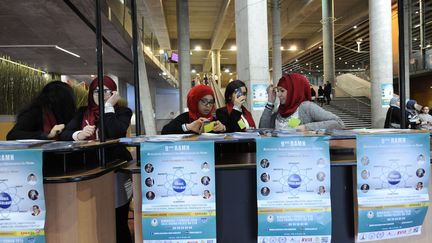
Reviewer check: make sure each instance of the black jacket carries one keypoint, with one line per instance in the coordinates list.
(29, 125)
(393, 116)
(175, 126)
(116, 125)
(229, 120)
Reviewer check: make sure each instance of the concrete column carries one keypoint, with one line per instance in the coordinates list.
(216, 71)
(276, 39)
(252, 46)
(328, 42)
(408, 45)
(184, 51)
(381, 63)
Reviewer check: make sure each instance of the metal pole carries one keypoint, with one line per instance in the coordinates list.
(401, 62)
(135, 67)
(99, 58)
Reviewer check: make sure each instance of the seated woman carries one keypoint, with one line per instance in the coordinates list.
(235, 116)
(425, 118)
(46, 116)
(295, 109)
(201, 104)
(393, 115)
(84, 126)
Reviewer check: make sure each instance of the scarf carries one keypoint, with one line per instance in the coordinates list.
(298, 90)
(246, 114)
(194, 96)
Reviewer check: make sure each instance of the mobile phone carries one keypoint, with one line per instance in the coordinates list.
(238, 92)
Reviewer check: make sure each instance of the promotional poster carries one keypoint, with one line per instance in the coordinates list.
(178, 191)
(293, 189)
(22, 201)
(392, 185)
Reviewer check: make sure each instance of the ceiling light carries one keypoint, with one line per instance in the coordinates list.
(346, 62)
(161, 51)
(282, 48)
(197, 48)
(319, 47)
(417, 12)
(415, 39)
(293, 48)
(193, 71)
(22, 65)
(233, 48)
(227, 70)
(355, 27)
(230, 73)
(352, 65)
(68, 52)
(307, 64)
(290, 70)
(340, 58)
(316, 66)
(296, 60)
(164, 73)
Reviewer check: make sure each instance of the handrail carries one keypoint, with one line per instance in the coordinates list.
(353, 97)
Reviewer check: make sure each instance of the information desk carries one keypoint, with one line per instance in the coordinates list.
(236, 207)
(79, 190)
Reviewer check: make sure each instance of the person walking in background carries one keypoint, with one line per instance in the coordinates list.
(393, 114)
(295, 109)
(320, 96)
(425, 118)
(47, 115)
(313, 93)
(327, 92)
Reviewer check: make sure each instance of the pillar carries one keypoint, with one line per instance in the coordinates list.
(252, 47)
(216, 71)
(381, 63)
(407, 44)
(184, 51)
(276, 42)
(328, 42)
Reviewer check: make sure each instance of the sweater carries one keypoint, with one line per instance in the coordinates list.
(312, 116)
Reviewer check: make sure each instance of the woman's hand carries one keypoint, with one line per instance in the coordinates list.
(219, 127)
(115, 97)
(57, 129)
(271, 92)
(87, 132)
(196, 125)
(301, 128)
(239, 101)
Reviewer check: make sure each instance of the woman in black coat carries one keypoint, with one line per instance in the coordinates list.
(84, 126)
(47, 115)
(234, 115)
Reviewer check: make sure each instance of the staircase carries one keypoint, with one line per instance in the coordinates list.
(354, 111)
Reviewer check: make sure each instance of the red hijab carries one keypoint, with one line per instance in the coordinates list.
(91, 114)
(298, 90)
(193, 97)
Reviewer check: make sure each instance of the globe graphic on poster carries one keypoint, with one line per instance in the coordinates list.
(9, 200)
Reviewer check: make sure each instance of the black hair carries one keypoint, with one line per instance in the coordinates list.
(57, 97)
(231, 87)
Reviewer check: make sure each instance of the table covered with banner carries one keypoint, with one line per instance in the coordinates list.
(287, 188)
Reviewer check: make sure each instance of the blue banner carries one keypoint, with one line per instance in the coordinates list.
(293, 189)
(178, 191)
(22, 201)
(392, 185)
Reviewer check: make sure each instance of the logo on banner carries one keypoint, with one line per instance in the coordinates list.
(394, 177)
(294, 181)
(5, 200)
(179, 185)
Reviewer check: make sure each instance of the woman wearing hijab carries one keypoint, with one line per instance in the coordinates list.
(295, 109)
(201, 105)
(412, 114)
(393, 114)
(47, 115)
(234, 115)
(84, 126)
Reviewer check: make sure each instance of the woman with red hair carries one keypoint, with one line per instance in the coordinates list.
(201, 105)
(296, 109)
(84, 126)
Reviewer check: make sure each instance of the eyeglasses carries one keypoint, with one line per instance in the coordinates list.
(207, 102)
(106, 92)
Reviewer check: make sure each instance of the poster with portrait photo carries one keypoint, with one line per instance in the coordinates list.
(178, 189)
(293, 188)
(22, 200)
(392, 185)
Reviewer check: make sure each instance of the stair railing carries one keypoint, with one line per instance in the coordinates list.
(358, 112)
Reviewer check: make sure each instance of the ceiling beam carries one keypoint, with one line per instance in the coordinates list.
(225, 23)
(154, 14)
